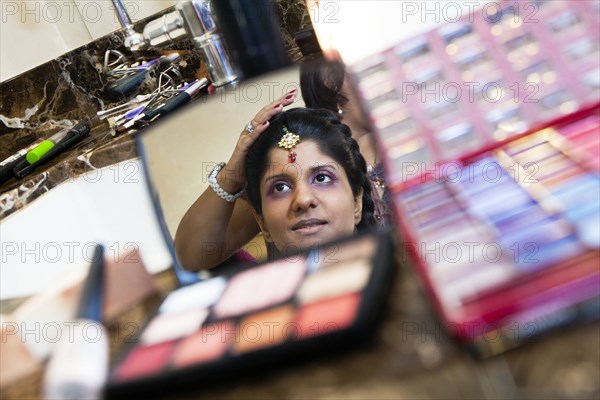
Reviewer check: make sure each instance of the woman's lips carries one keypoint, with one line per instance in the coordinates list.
(309, 226)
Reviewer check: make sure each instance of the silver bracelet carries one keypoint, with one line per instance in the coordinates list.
(214, 184)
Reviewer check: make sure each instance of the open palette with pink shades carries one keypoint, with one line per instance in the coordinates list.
(508, 239)
(489, 129)
(265, 315)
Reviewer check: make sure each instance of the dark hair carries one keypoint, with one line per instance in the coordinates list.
(321, 84)
(331, 136)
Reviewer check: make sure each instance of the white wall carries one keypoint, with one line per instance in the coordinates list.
(33, 32)
(356, 29)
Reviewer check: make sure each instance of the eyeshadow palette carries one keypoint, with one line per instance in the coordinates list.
(262, 316)
(493, 74)
(507, 240)
(491, 146)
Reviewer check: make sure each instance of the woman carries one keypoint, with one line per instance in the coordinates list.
(307, 181)
(304, 192)
(217, 224)
(215, 227)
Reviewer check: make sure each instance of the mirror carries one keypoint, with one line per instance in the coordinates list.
(180, 152)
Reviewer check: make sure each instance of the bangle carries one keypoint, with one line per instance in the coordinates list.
(214, 184)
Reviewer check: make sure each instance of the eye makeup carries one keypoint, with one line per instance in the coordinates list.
(329, 297)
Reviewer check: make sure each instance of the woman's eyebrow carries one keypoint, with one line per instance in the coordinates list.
(276, 177)
(319, 167)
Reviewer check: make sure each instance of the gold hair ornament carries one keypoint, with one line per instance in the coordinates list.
(288, 142)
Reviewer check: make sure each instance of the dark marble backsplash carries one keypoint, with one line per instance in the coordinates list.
(59, 93)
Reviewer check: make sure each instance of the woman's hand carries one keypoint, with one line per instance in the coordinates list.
(232, 178)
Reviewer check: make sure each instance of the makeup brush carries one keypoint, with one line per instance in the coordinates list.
(78, 368)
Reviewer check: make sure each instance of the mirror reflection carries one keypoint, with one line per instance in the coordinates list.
(267, 168)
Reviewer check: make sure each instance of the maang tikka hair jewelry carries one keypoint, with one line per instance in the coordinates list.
(288, 142)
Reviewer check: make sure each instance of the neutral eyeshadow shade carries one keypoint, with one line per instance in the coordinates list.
(536, 154)
(199, 295)
(480, 279)
(417, 193)
(345, 277)
(358, 248)
(442, 228)
(326, 316)
(418, 202)
(145, 360)
(166, 327)
(265, 329)
(561, 176)
(526, 143)
(208, 344)
(433, 214)
(261, 287)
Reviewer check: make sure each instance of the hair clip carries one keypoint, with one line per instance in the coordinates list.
(288, 142)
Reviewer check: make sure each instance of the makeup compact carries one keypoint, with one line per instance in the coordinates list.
(492, 158)
(261, 316)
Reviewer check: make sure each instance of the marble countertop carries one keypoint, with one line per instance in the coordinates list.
(36, 105)
(99, 150)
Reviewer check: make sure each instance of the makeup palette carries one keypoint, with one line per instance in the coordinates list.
(508, 239)
(490, 138)
(490, 76)
(261, 316)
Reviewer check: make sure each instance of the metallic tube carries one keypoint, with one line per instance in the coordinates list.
(122, 14)
(168, 28)
(201, 26)
(133, 40)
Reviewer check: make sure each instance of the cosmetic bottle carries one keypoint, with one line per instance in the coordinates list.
(78, 367)
(251, 30)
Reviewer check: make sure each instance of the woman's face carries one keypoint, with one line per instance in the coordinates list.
(308, 202)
